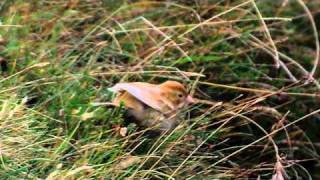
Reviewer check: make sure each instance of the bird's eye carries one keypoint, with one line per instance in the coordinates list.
(180, 95)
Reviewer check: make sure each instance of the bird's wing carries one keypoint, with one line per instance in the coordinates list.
(147, 93)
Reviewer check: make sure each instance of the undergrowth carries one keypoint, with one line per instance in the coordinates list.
(253, 65)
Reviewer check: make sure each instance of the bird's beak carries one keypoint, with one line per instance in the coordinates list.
(190, 99)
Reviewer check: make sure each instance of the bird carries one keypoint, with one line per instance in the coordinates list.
(153, 105)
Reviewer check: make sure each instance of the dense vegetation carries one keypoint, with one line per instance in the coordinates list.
(253, 65)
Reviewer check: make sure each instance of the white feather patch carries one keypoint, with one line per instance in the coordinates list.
(147, 93)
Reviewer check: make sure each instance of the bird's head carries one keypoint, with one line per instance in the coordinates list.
(176, 94)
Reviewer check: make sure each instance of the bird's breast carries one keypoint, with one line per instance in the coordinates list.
(145, 115)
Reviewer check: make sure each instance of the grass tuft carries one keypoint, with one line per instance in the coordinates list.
(252, 65)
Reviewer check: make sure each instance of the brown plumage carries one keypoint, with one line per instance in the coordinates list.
(151, 104)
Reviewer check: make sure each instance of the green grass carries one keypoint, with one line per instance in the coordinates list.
(57, 59)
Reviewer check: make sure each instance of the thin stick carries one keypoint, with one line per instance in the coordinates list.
(276, 54)
(193, 25)
(112, 73)
(316, 38)
(258, 90)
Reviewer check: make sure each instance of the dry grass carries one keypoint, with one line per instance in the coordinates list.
(252, 65)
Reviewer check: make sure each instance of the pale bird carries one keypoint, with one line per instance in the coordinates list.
(151, 104)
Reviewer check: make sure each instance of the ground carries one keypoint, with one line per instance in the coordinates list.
(253, 65)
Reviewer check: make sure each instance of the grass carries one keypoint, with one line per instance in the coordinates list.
(252, 65)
